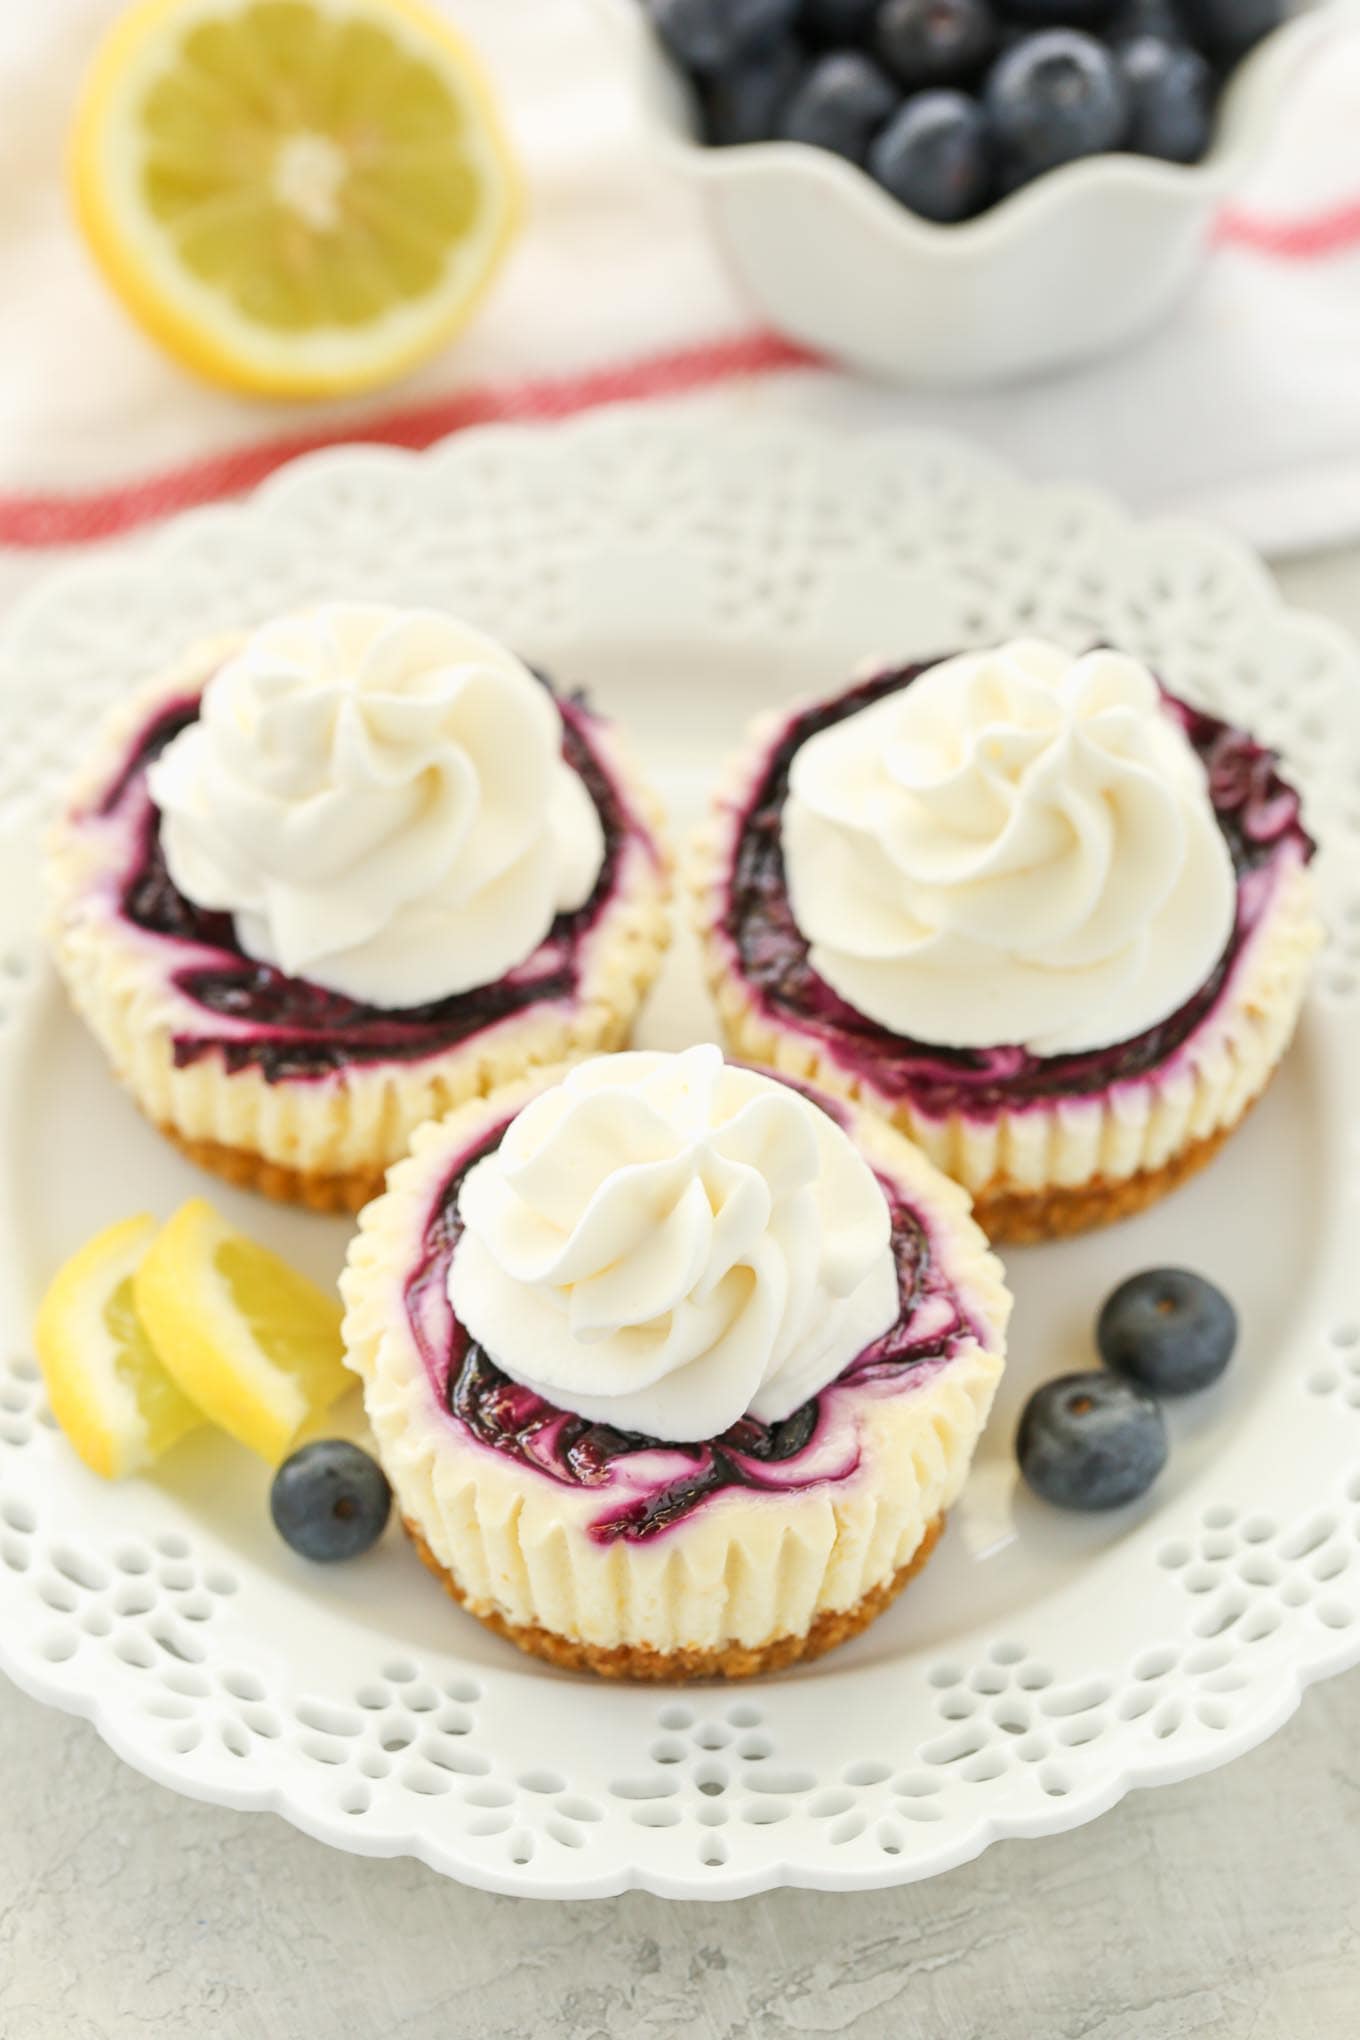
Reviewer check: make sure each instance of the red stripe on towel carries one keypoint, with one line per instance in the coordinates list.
(1302, 240)
(75, 518)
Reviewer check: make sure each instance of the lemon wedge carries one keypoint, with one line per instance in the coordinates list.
(109, 1391)
(296, 197)
(253, 1343)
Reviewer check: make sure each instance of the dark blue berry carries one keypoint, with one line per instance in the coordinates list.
(1054, 97)
(330, 1500)
(935, 157)
(1227, 29)
(1167, 1330)
(1133, 18)
(841, 104)
(1171, 98)
(708, 35)
(743, 103)
(838, 22)
(934, 42)
(1091, 1441)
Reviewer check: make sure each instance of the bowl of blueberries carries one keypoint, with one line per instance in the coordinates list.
(963, 191)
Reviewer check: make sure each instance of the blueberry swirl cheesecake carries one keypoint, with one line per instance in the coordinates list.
(1051, 922)
(322, 883)
(674, 1366)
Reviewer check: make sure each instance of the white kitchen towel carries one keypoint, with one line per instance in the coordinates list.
(1245, 406)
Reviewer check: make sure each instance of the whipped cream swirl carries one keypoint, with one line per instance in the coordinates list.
(379, 798)
(665, 1243)
(1017, 849)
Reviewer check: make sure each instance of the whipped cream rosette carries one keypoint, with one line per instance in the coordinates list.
(1053, 922)
(318, 884)
(379, 799)
(670, 1244)
(1020, 841)
(675, 1369)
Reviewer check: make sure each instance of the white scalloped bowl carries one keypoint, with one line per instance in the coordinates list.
(1065, 269)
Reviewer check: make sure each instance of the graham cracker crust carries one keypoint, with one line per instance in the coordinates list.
(1025, 1219)
(729, 1661)
(249, 1171)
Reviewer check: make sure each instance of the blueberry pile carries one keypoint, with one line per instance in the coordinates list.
(950, 104)
(1096, 1441)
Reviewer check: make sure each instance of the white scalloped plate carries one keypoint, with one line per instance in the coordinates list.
(692, 571)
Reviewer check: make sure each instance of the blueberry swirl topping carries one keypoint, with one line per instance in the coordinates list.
(1256, 810)
(299, 1029)
(645, 1485)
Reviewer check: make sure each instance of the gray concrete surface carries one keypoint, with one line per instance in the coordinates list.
(1224, 1909)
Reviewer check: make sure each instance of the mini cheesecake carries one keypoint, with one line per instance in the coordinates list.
(590, 1543)
(272, 1077)
(1047, 1143)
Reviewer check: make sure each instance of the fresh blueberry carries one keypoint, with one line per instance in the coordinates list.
(838, 22)
(1229, 28)
(841, 104)
(1091, 1441)
(1053, 97)
(708, 35)
(934, 42)
(934, 156)
(1171, 99)
(330, 1500)
(1057, 13)
(1168, 1331)
(743, 103)
(1132, 18)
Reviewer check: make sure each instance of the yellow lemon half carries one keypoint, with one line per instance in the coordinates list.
(110, 1394)
(296, 197)
(252, 1342)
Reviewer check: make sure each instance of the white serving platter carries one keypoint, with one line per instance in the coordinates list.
(692, 570)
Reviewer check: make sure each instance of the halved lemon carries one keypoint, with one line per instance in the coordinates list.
(250, 1340)
(109, 1392)
(296, 197)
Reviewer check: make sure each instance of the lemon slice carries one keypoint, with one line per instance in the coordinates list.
(296, 197)
(109, 1392)
(253, 1343)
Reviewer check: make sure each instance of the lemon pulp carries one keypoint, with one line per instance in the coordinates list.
(255, 1344)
